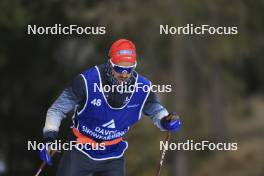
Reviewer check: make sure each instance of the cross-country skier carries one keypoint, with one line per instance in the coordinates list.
(102, 118)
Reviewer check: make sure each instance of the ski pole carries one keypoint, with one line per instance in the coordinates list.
(167, 139)
(43, 164)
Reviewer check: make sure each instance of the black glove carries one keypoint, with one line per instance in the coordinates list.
(50, 136)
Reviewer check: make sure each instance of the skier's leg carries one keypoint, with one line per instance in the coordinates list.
(113, 167)
(74, 163)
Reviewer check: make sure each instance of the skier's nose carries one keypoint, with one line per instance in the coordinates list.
(125, 75)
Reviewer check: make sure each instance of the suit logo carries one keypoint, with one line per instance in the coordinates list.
(110, 124)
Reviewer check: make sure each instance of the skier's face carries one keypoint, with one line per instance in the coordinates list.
(121, 77)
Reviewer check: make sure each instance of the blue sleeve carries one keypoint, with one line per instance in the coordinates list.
(74, 94)
(154, 109)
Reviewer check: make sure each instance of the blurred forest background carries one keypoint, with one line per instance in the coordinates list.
(217, 80)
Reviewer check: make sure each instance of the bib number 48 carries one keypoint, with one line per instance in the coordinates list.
(96, 102)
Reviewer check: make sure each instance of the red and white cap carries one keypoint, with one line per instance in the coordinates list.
(123, 50)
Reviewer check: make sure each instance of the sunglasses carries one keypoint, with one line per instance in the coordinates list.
(123, 69)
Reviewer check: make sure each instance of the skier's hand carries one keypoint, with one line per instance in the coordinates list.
(45, 153)
(171, 122)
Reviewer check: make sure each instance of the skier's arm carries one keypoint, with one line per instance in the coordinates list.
(68, 99)
(154, 109)
(66, 102)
